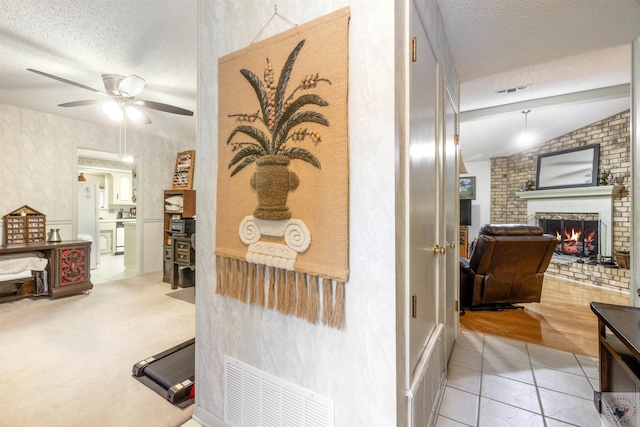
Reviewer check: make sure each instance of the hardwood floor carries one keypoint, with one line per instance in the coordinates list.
(565, 327)
(562, 320)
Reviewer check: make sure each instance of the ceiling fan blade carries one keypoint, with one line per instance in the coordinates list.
(163, 107)
(82, 103)
(131, 86)
(60, 79)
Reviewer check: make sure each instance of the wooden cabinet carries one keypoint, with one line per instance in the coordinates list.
(122, 188)
(464, 242)
(68, 267)
(24, 225)
(71, 265)
(619, 353)
(179, 204)
(183, 256)
(167, 262)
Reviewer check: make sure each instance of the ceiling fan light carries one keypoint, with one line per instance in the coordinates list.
(133, 113)
(113, 110)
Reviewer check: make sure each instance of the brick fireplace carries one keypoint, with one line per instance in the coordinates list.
(613, 210)
(574, 206)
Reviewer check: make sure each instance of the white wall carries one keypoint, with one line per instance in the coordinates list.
(481, 206)
(38, 167)
(356, 366)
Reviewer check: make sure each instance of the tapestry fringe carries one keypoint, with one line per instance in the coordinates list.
(327, 302)
(253, 289)
(314, 300)
(289, 292)
(234, 290)
(303, 296)
(219, 275)
(272, 289)
(280, 291)
(260, 286)
(244, 294)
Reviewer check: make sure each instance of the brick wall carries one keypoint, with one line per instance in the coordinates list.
(508, 173)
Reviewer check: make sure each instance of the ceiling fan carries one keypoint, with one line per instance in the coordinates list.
(122, 91)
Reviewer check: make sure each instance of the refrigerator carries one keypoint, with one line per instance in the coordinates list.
(89, 217)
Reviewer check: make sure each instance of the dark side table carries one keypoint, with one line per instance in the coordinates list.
(619, 357)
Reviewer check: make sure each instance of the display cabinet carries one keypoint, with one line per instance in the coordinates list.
(24, 225)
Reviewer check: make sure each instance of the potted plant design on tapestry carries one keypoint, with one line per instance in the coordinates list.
(282, 213)
(285, 121)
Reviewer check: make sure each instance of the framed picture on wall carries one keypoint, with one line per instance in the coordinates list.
(468, 187)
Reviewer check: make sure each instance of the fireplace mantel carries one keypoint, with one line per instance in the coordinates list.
(594, 191)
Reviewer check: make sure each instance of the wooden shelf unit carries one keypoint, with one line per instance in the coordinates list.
(188, 210)
(464, 242)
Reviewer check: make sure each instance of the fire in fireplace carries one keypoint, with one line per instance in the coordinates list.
(577, 234)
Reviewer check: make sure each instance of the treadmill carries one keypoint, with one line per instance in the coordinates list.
(170, 373)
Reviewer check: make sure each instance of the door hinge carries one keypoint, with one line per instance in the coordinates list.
(414, 306)
(414, 48)
(455, 305)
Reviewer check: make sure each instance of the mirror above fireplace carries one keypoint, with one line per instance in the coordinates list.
(576, 167)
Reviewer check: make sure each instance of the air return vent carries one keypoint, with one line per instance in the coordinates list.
(254, 398)
(512, 90)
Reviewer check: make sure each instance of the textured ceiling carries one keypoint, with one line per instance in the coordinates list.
(80, 40)
(553, 47)
(556, 47)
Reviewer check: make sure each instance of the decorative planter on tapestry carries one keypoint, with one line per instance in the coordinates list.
(283, 172)
(273, 181)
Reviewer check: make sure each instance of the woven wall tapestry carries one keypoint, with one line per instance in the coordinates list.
(282, 219)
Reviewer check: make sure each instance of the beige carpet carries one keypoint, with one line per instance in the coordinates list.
(67, 361)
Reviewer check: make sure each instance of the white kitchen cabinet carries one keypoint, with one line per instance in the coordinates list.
(107, 237)
(122, 188)
(106, 242)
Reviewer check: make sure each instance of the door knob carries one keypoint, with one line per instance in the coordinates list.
(438, 250)
(452, 245)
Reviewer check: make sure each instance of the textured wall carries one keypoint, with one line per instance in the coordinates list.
(355, 366)
(38, 165)
(613, 135)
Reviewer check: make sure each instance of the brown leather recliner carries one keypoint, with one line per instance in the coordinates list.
(506, 266)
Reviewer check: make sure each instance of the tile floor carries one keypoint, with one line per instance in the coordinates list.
(496, 382)
(111, 268)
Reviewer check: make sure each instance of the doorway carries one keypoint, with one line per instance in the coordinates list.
(112, 223)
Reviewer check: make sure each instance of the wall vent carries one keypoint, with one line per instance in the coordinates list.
(254, 398)
(512, 90)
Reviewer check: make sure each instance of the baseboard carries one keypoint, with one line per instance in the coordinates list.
(206, 418)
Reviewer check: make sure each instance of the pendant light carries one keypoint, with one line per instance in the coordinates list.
(526, 137)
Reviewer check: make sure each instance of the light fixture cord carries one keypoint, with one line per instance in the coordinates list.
(124, 118)
(526, 116)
